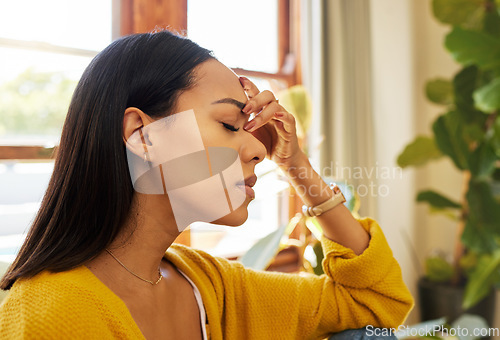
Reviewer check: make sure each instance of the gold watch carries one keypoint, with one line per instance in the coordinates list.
(337, 199)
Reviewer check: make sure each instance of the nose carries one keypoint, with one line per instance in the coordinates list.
(252, 150)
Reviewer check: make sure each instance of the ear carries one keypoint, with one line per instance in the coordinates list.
(133, 120)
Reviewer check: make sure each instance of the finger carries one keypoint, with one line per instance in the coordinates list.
(260, 101)
(282, 132)
(265, 136)
(287, 120)
(263, 117)
(249, 87)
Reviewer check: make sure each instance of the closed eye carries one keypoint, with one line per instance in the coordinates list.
(230, 127)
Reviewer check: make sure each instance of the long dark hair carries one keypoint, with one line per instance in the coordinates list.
(90, 191)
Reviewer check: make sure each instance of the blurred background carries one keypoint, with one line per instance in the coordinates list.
(360, 68)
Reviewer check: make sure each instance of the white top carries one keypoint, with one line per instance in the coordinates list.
(197, 295)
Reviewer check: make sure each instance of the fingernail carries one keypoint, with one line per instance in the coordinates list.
(242, 79)
(249, 125)
(247, 108)
(279, 114)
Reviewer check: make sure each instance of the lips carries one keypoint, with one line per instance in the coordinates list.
(247, 185)
(251, 180)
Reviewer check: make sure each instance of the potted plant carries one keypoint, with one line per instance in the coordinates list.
(468, 133)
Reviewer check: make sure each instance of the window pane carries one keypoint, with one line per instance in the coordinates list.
(74, 23)
(241, 33)
(36, 79)
(22, 186)
(35, 91)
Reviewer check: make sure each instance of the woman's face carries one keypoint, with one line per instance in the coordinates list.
(217, 99)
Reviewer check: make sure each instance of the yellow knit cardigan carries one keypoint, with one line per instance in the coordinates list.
(240, 303)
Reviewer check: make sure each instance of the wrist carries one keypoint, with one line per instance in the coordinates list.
(308, 184)
(296, 165)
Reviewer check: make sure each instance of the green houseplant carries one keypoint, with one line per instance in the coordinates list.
(468, 133)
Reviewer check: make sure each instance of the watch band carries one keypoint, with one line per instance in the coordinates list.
(337, 198)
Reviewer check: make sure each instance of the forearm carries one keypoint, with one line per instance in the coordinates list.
(337, 223)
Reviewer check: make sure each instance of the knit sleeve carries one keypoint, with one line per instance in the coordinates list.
(356, 291)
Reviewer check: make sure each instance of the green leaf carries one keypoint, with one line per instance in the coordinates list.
(482, 160)
(313, 225)
(484, 209)
(296, 100)
(438, 269)
(482, 227)
(260, 255)
(449, 131)
(495, 139)
(477, 239)
(419, 152)
(318, 251)
(464, 84)
(439, 91)
(492, 22)
(452, 214)
(437, 200)
(469, 47)
(495, 189)
(487, 98)
(482, 279)
(496, 175)
(468, 262)
(466, 13)
(473, 133)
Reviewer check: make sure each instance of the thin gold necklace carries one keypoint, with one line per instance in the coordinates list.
(131, 272)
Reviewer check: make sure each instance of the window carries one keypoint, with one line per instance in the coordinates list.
(230, 31)
(252, 48)
(42, 56)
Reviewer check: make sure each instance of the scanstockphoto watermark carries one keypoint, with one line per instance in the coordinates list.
(434, 330)
(364, 180)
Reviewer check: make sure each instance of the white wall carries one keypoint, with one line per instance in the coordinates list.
(431, 61)
(393, 100)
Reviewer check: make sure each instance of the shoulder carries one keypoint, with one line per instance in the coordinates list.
(198, 264)
(49, 292)
(50, 286)
(183, 255)
(60, 302)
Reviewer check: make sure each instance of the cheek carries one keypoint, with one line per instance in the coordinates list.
(209, 130)
(210, 136)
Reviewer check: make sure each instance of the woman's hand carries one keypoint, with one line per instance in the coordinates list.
(275, 127)
(272, 125)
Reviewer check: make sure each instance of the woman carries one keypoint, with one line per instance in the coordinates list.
(98, 261)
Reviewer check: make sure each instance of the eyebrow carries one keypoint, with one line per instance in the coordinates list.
(232, 101)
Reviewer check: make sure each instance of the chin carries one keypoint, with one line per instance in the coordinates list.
(236, 217)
